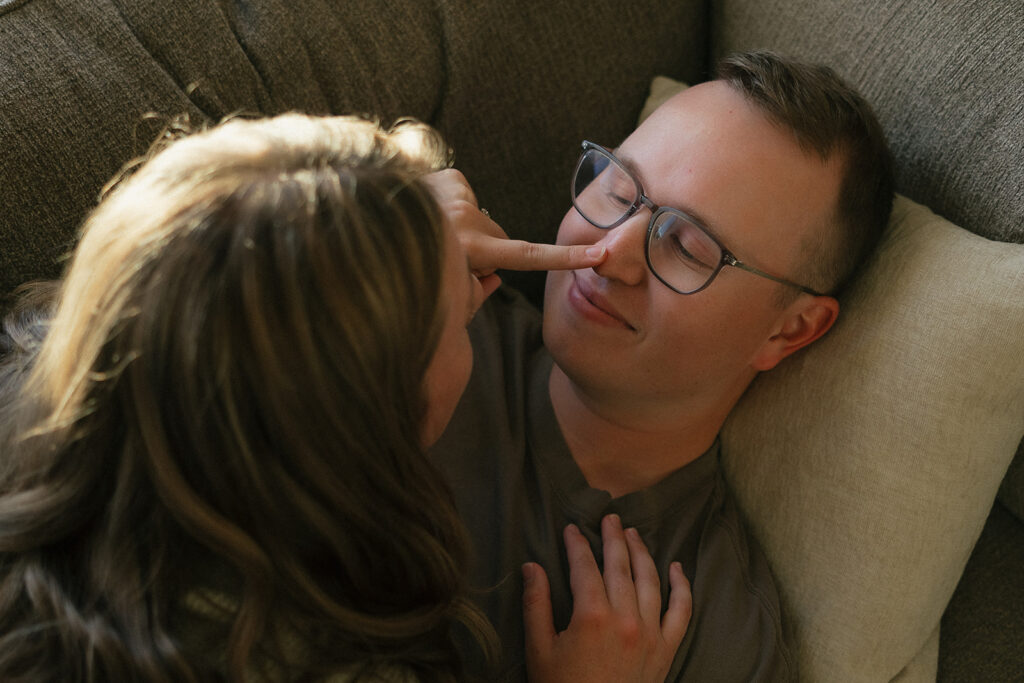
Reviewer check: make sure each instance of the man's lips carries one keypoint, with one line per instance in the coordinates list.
(599, 306)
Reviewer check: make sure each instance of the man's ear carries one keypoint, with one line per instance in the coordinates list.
(803, 322)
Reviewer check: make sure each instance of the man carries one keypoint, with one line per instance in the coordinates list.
(728, 220)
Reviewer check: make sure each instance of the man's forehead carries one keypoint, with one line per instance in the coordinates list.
(702, 112)
(711, 153)
(627, 160)
(680, 140)
(711, 126)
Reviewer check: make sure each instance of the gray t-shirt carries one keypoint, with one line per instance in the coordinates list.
(517, 486)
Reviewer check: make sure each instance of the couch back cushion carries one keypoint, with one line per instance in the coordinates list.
(514, 88)
(86, 86)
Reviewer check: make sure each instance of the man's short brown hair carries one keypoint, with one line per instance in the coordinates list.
(828, 118)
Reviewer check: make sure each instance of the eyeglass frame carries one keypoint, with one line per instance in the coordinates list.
(728, 259)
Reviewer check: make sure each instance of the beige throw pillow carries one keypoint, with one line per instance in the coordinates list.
(867, 463)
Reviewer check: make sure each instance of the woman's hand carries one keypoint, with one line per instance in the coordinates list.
(617, 632)
(488, 247)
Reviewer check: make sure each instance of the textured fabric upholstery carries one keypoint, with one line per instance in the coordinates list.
(982, 629)
(1012, 491)
(515, 89)
(78, 79)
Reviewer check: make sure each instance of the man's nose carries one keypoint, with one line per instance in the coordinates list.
(625, 244)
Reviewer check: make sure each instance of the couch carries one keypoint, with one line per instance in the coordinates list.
(515, 87)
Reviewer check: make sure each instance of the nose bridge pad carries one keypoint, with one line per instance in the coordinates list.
(625, 244)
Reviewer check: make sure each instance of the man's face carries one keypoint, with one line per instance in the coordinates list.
(617, 331)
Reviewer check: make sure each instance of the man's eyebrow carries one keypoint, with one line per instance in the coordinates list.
(628, 162)
(702, 222)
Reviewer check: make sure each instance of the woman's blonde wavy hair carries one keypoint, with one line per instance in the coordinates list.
(225, 401)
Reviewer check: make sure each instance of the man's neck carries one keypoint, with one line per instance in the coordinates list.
(622, 449)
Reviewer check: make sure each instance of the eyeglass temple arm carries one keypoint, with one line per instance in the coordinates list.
(731, 260)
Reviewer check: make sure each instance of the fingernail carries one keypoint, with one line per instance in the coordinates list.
(528, 572)
(594, 251)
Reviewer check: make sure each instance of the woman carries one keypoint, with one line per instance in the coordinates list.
(213, 439)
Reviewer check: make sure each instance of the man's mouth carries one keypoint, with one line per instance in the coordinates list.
(597, 301)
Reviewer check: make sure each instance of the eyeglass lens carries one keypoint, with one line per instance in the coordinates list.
(602, 190)
(680, 253)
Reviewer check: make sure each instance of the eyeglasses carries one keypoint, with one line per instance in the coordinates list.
(679, 251)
